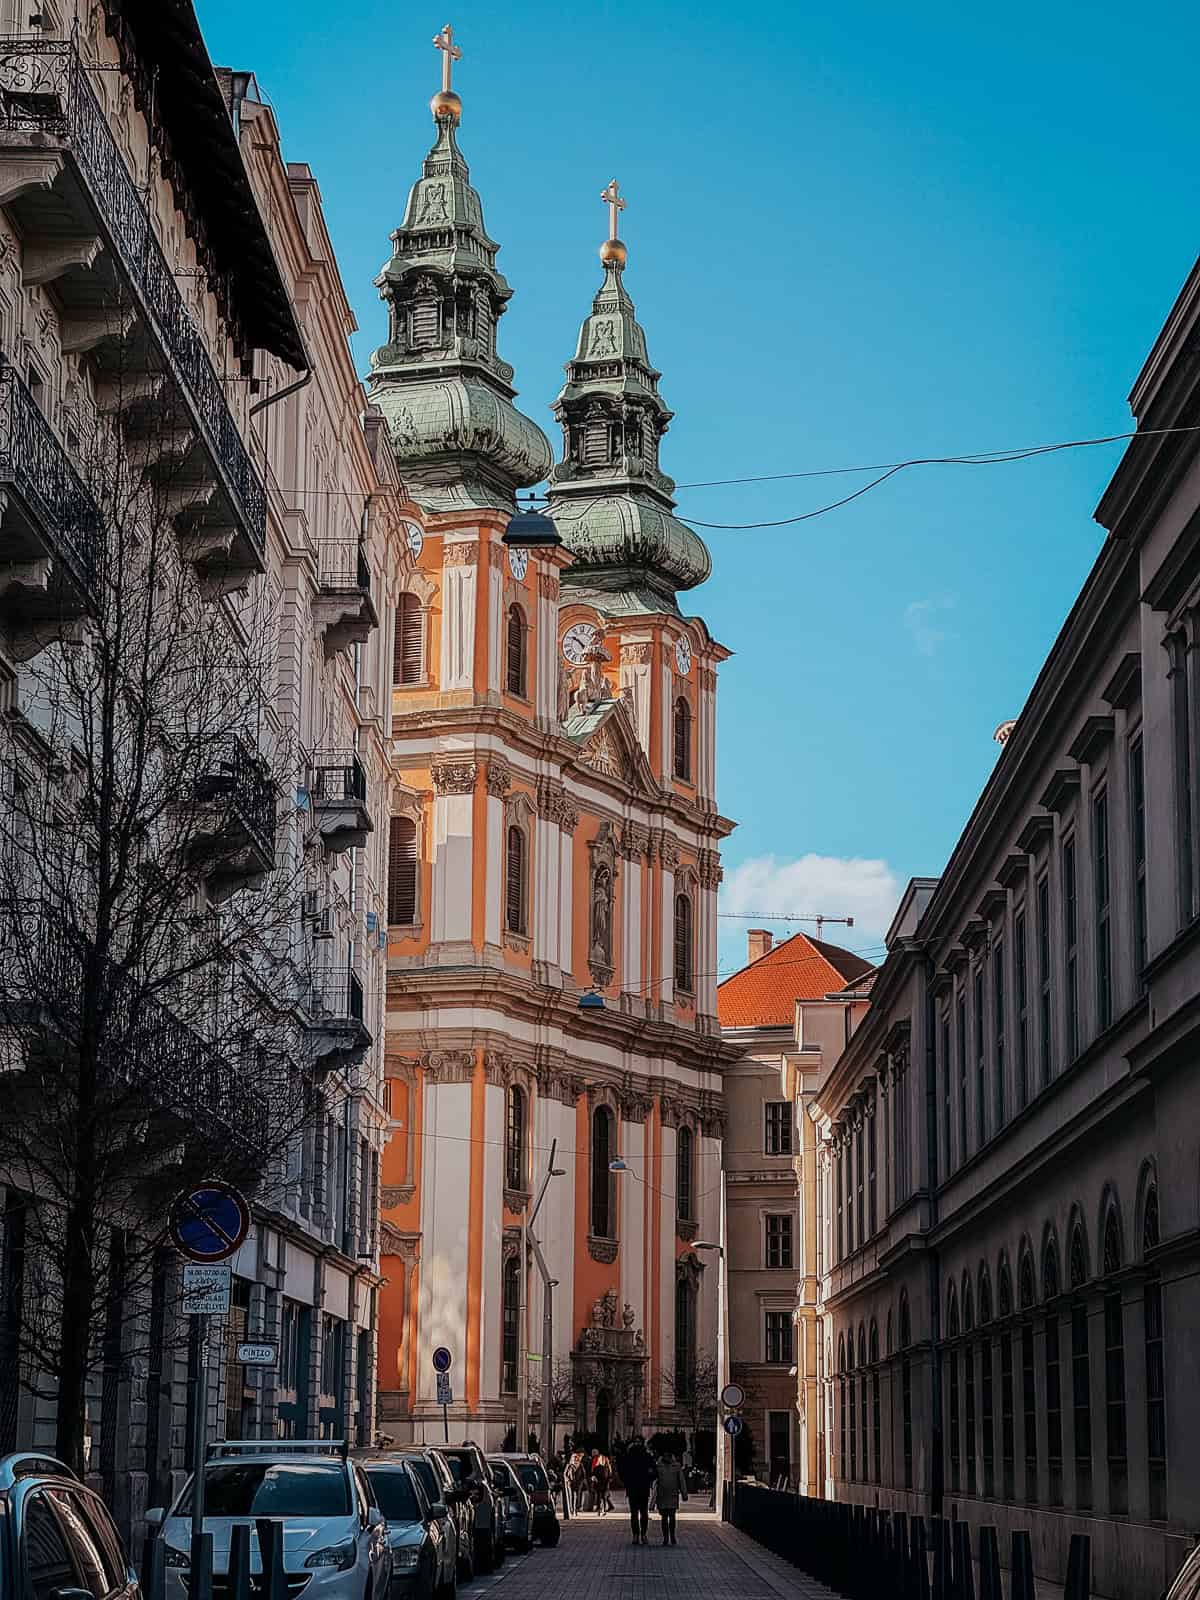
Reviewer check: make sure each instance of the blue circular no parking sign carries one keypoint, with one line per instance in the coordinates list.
(209, 1222)
(442, 1359)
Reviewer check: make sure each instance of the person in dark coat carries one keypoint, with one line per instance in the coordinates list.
(672, 1488)
(638, 1474)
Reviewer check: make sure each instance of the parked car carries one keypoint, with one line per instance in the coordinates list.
(56, 1536)
(512, 1505)
(1187, 1583)
(335, 1538)
(420, 1532)
(471, 1473)
(535, 1480)
(438, 1483)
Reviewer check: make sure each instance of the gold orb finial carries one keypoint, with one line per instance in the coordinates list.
(446, 106)
(614, 254)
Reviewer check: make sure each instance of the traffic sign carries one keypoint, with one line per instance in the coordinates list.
(732, 1395)
(442, 1359)
(206, 1288)
(210, 1221)
(733, 1426)
(258, 1355)
(444, 1395)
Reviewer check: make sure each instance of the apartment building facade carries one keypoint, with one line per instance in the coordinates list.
(1011, 1281)
(189, 482)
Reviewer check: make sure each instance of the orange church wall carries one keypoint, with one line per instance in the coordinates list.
(475, 1240)
(593, 1279)
(393, 1315)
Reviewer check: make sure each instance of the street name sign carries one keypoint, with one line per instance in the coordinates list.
(206, 1288)
(258, 1355)
(209, 1222)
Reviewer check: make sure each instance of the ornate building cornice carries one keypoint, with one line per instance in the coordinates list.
(449, 1066)
(461, 555)
(499, 777)
(453, 777)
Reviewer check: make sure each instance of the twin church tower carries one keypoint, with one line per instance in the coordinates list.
(553, 864)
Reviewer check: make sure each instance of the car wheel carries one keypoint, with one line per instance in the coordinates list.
(550, 1539)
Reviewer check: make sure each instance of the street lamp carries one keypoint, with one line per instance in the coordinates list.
(721, 1474)
(591, 1001)
(617, 1165)
(548, 1284)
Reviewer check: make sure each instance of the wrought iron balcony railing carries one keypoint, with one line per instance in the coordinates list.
(342, 566)
(34, 464)
(338, 995)
(241, 780)
(337, 777)
(46, 102)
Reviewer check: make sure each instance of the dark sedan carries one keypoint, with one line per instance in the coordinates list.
(422, 1567)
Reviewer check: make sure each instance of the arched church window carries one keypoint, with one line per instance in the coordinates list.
(1156, 1410)
(685, 1339)
(408, 650)
(602, 1187)
(683, 944)
(515, 887)
(683, 739)
(683, 1174)
(402, 871)
(511, 1311)
(514, 1152)
(1114, 1369)
(514, 651)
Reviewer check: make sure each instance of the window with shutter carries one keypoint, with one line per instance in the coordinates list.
(683, 943)
(402, 871)
(514, 675)
(407, 662)
(683, 739)
(596, 442)
(424, 322)
(514, 884)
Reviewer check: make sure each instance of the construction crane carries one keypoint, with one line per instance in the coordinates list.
(819, 917)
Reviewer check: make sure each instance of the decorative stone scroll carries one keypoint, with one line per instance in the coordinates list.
(636, 655)
(709, 869)
(635, 841)
(448, 1066)
(461, 555)
(668, 851)
(499, 777)
(603, 1250)
(454, 777)
(551, 800)
(548, 585)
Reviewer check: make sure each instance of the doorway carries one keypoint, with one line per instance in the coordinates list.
(603, 1419)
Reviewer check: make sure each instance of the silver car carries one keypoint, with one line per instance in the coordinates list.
(420, 1532)
(335, 1538)
(513, 1508)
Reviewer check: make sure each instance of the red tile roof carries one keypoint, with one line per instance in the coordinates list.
(764, 994)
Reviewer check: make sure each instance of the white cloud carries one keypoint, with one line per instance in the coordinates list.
(837, 886)
(921, 619)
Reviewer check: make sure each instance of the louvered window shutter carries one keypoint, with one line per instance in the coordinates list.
(406, 664)
(402, 871)
(683, 739)
(595, 442)
(514, 882)
(424, 323)
(515, 653)
(683, 943)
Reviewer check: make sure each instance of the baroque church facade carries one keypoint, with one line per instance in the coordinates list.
(554, 839)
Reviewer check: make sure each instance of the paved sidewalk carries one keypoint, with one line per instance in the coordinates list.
(598, 1559)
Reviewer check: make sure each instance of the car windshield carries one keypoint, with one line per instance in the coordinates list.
(456, 1467)
(272, 1489)
(532, 1475)
(395, 1494)
(428, 1479)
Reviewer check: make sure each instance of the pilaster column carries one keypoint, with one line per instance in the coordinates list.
(634, 841)
(706, 734)
(460, 564)
(547, 667)
(1137, 1442)
(499, 780)
(547, 928)
(497, 561)
(636, 658)
(453, 855)
(668, 853)
(568, 822)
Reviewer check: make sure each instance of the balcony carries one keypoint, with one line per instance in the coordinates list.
(343, 609)
(234, 839)
(156, 1066)
(50, 528)
(337, 789)
(85, 228)
(336, 1032)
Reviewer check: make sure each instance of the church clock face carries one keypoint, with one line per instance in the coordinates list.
(518, 564)
(414, 539)
(577, 641)
(683, 657)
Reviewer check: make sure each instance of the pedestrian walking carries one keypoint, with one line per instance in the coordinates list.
(575, 1480)
(602, 1483)
(638, 1474)
(672, 1488)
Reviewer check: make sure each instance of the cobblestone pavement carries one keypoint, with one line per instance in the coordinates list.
(597, 1560)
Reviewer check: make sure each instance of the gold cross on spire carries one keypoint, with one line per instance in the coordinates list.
(612, 199)
(451, 53)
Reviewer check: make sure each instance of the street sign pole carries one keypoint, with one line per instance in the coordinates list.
(201, 1567)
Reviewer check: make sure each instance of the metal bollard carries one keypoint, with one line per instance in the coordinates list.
(990, 1586)
(964, 1570)
(270, 1548)
(1022, 1567)
(1079, 1568)
(201, 1586)
(153, 1571)
(239, 1562)
(943, 1571)
(919, 1563)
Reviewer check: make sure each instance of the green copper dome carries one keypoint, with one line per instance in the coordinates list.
(439, 381)
(613, 505)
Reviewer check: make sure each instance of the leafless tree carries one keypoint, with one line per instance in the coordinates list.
(694, 1395)
(149, 879)
(562, 1391)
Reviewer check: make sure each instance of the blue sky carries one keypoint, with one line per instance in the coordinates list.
(857, 234)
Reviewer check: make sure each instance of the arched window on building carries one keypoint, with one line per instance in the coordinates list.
(842, 1457)
(516, 886)
(684, 963)
(876, 1410)
(852, 1396)
(906, 1389)
(514, 651)
(402, 871)
(1152, 1313)
(1026, 1296)
(682, 765)
(684, 1186)
(1114, 1369)
(1081, 1368)
(511, 1298)
(987, 1416)
(968, 1322)
(953, 1397)
(863, 1415)
(408, 659)
(1054, 1395)
(685, 1339)
(514, 1144)
(1008, 1425)
(602, 1184)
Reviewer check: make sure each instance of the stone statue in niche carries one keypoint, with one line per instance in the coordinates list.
(564, 691)
(603, 339)
(601, 952)
(434, 208)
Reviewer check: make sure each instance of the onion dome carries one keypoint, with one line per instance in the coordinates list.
(439, 381)
(613, 506)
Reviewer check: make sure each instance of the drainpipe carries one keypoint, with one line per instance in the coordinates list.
(937, 1475)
